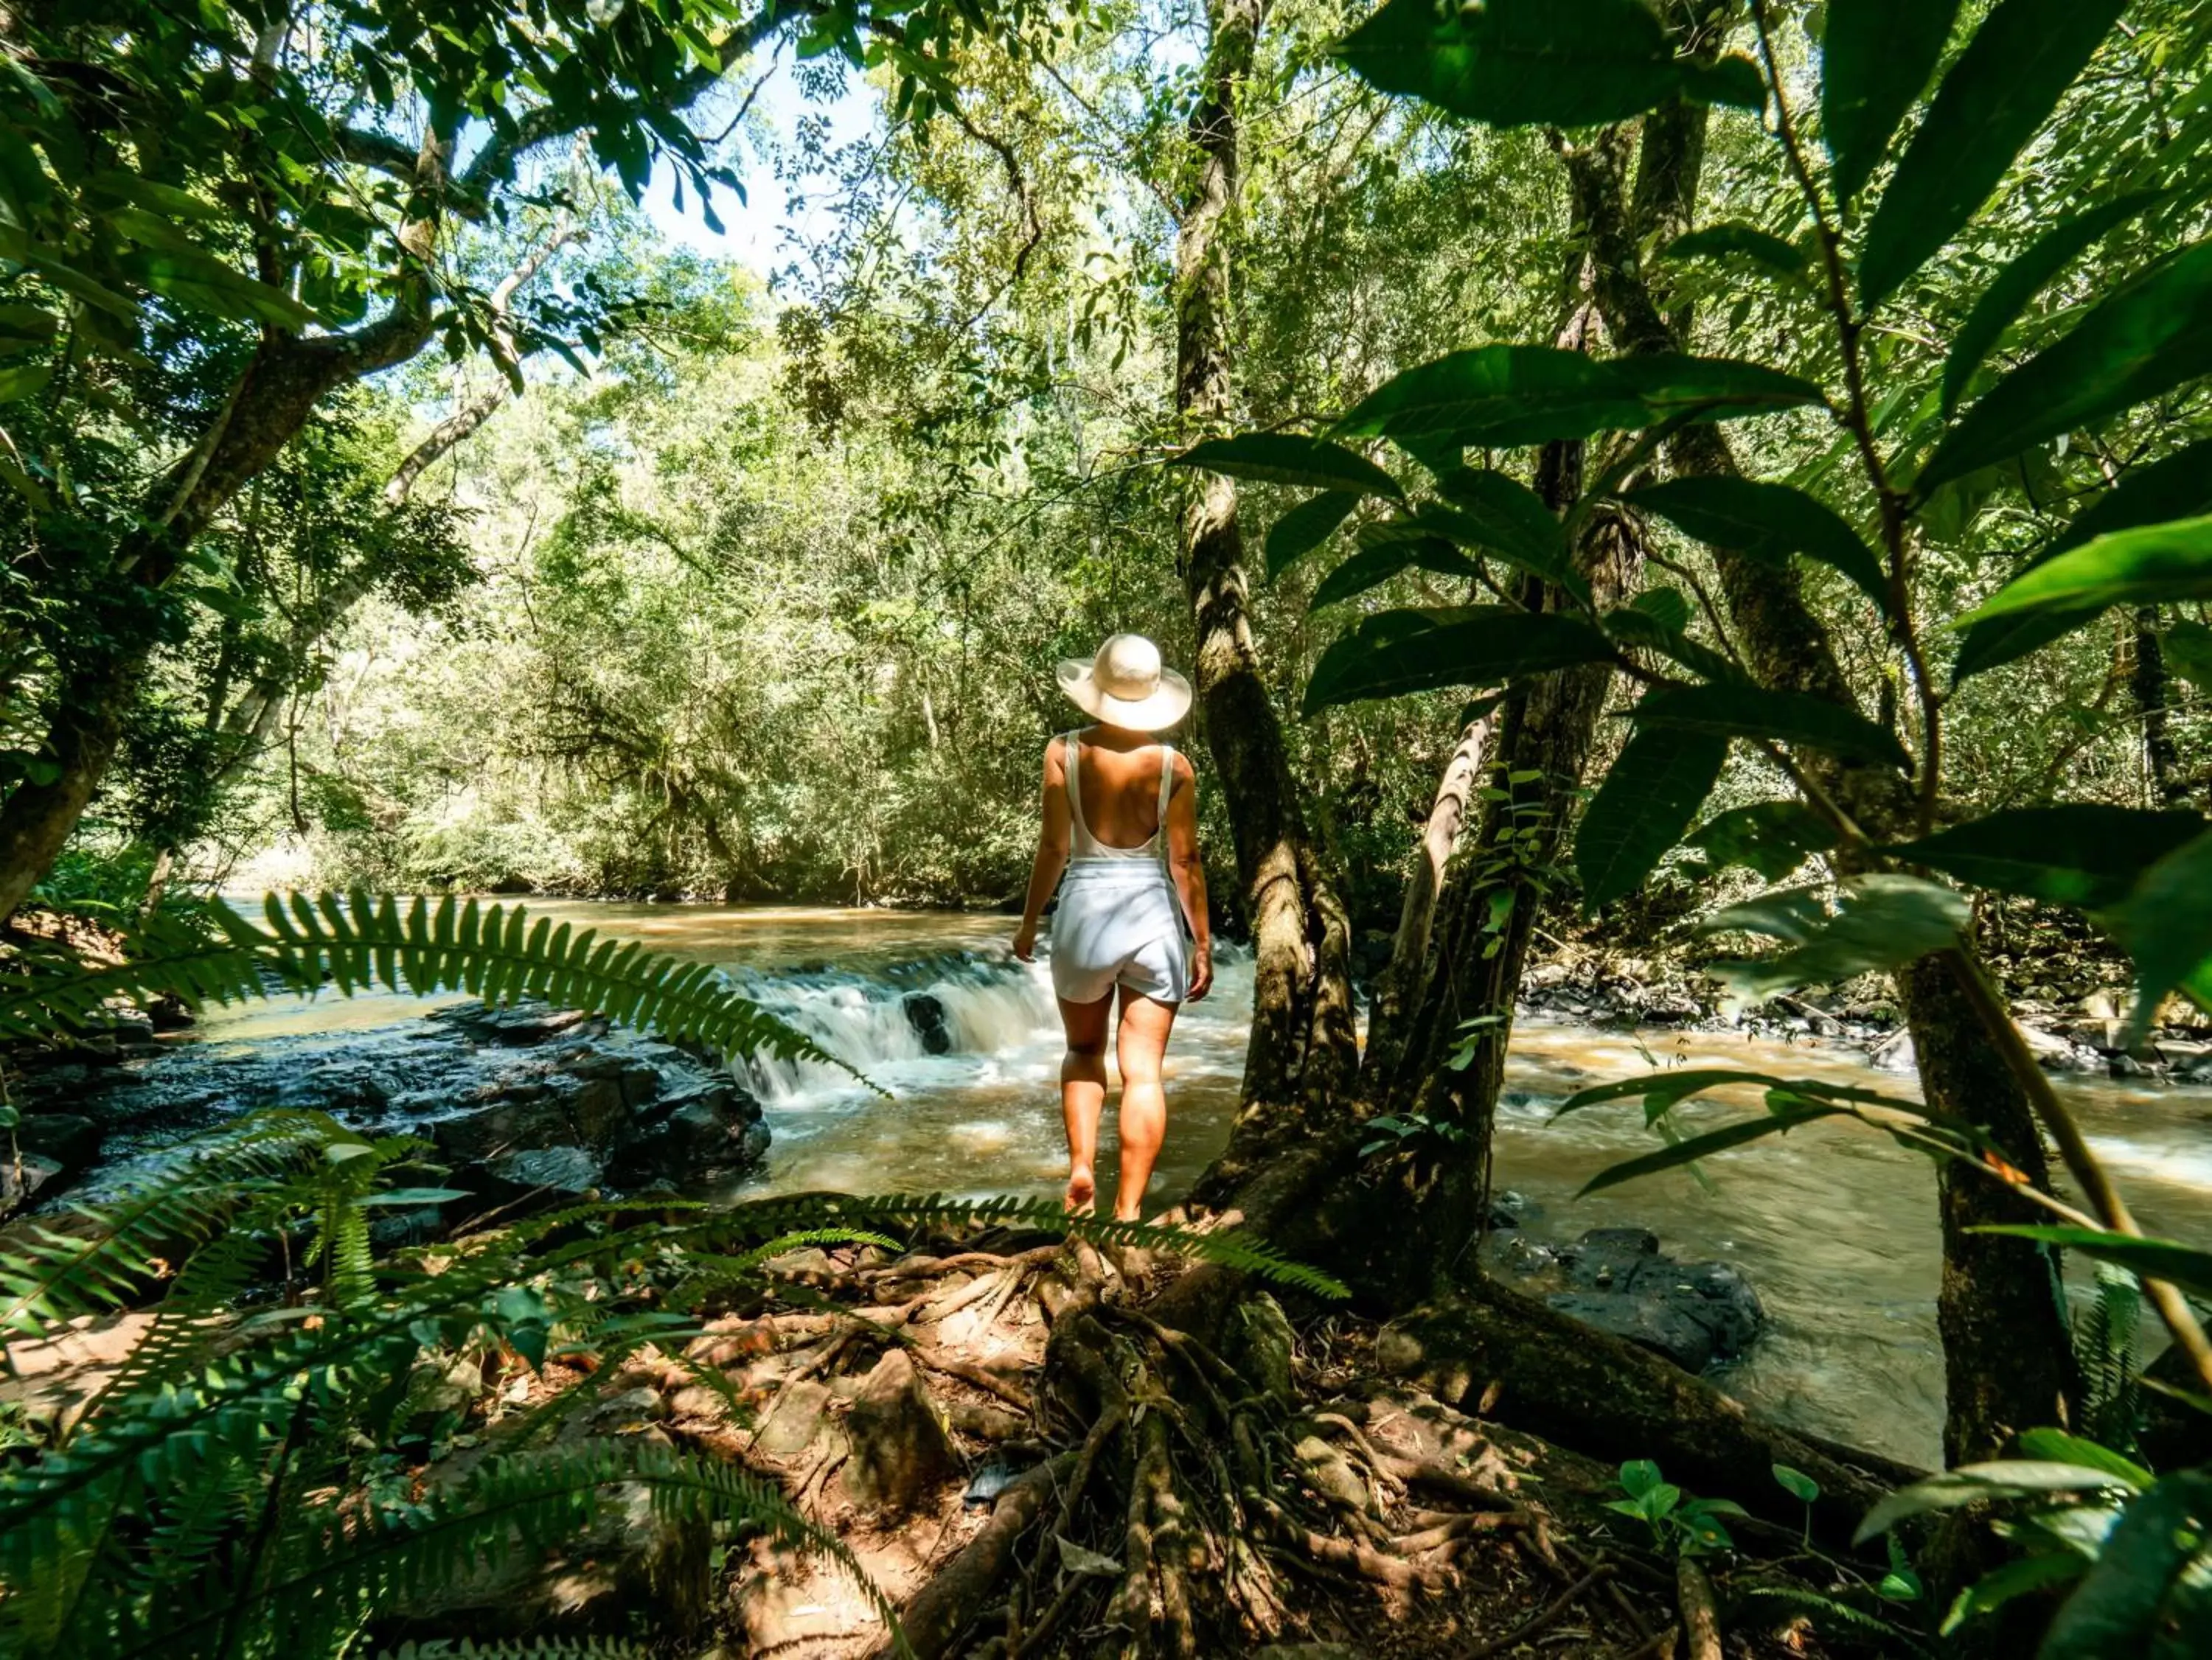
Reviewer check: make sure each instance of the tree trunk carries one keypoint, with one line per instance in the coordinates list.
(1424, 884)
(1304, 1049)
(282, 383)
(2007, 1351)
(2147, 680)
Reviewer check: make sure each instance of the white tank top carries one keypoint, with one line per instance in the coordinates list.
(1087, 847)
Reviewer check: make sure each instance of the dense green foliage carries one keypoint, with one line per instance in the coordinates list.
(250, 1479)
(1871, 480)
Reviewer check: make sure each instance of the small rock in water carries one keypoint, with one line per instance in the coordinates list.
(23, 1180)
(1618, 1280)
(70, 1140)
(925, 1013)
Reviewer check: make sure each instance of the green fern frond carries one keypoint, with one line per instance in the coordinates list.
(331, 1579)
(1844, 1613)
(362, 942)
(1230, 1248)
(801, 1239)
(542, 1648)
(2105, 1348)
(49, 1274)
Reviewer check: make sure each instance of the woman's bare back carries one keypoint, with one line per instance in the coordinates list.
(1119, 776)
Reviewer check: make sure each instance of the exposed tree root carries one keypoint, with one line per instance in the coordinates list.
(1171, 1491)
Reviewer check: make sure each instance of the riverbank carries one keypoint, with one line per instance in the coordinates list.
(1834, 1227)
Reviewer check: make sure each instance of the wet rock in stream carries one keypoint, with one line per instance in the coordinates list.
(1618, 1280)
(516, 1101)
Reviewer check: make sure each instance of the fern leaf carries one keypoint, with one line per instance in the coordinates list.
(365, 941)
(49, 1274)
(1230, 1248)
(542, 1648)
(334, 1578)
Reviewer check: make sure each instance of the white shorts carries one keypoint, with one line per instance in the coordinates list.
(1119, 923)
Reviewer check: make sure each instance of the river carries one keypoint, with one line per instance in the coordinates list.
(1835, 1226)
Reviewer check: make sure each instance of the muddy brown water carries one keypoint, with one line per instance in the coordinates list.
(1835, 1226)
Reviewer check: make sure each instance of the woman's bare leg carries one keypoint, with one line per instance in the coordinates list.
(1139, 1046)
(1083, 1094)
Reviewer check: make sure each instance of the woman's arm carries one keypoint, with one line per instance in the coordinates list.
(1051, 853)
(1189, 873)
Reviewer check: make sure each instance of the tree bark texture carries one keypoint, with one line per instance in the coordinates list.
(1481, 942)
(2168, 786)
(2008, 1355)
(1304, 1048)
(1425, 885)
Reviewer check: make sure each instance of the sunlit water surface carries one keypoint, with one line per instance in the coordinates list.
(1835, 1226)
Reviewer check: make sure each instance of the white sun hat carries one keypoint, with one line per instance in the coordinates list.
(1126, 686)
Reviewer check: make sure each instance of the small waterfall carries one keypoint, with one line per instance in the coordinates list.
(909, 1019)
(948, 1018)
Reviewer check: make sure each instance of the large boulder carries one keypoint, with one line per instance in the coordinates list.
(25, 1181)
(69, 1139)
(709, 1127)
(1616, 1279)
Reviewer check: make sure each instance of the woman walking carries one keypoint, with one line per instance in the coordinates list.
(1120, 819)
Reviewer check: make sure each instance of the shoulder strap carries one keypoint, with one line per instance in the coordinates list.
(1167, 789)
(1070, 750)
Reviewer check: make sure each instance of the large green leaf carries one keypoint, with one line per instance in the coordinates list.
(1767, 523)
(1648, 798)
(1504, 396)
(1772, 837)
(1517, 62)
(1876, 57)
(1879, 922)
(1498, 396)
(2151, 336)
(2023, 56)
(2131, 1603)
(2166, 926)
(1289, 458)
(1779, 1120)
(1736, 241)
(1796, 717)
(1376, 563)
(2143, 567)
(1976, 1484)
(1394, 652)
(2148, 1259)
(1662, 1092)
(1642, 625)
(2187, 649)
(1512, 519)
(2178, 487)
(1305, 527)
(1674, 386)
(2020, 281)
(2024, 1576)
(2081, 854)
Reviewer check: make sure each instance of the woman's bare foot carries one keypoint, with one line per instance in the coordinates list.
(1082, 1196)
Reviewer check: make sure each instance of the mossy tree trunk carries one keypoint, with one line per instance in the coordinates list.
(1304, 1049)
(2009, 1361)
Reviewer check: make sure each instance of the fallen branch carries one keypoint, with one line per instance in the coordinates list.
(1701, 1618)
(1537, 1622)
